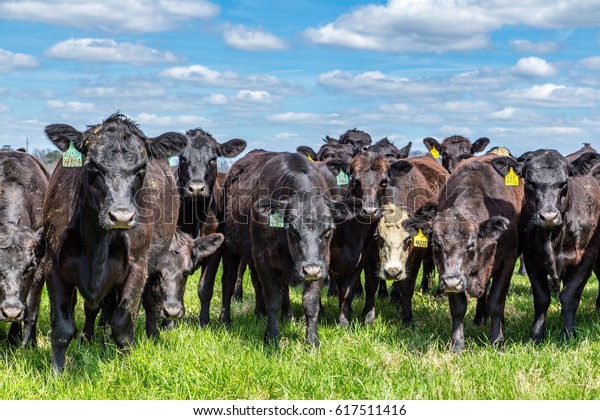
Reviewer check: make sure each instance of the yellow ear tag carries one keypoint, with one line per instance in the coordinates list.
(435, 153)
(309, 158)
(420, 241)
(511, 179)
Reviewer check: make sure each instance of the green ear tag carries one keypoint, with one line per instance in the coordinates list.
(420, 241)
(71, 158)
(435, 153)
(276, 220)
(511, 179)
(174, 161)
(342, 178)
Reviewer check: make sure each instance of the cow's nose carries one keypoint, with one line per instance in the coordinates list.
(121, 219)
(312, 271)
(173, 311)
(452, 284)
(12, 312)
(549, 216)
(370, 211)
(197, 188)
(392, 272)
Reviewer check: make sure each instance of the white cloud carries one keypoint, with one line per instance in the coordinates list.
(4, 108)
(202, 75)
(524, 46)
(258, 96)
(10, 61)
(114, 92)
(173, 122)
(534, 67)
(591, 63)
(425, 26)
(242, 38)
(308, 118)
(108, 50)
(121, 16)
(70, 106)
(551, 95)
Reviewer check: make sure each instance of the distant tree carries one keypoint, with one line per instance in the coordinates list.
(48, 157)
(416, 153)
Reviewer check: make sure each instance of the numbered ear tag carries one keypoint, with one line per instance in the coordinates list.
(71, 158)
(420, 241)
(511, 179)
(435, 153)
(342, 178)
(174, 161)
(309, 158)
(276, 220)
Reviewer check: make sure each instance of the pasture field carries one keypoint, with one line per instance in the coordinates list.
(384, 361)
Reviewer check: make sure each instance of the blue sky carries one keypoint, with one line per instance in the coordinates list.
(280, 74)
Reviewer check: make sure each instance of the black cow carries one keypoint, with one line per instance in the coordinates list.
(332, 149)
(475, 238)
(455, 148)
(23, 184)
(99, 219)
(360, 140)
(560, 229)
(386, 148)
(279, 215)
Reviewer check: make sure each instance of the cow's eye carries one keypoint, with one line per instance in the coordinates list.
(212, 162)
(383, 183)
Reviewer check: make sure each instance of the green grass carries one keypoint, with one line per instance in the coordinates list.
(384, 361)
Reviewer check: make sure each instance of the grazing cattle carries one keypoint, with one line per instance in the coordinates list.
(332, 149)
(279, 215)
(163, 294)
(412, 183)
(475, 238)
(100, 214)
(386, 148)
(454, 149)
(23, 184)
(360, 140)
(559, 229)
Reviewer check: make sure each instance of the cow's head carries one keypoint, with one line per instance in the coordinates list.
(386, 148)
(309, 219)
(115, 154)
(463, 250)
(394, 242)
(359, 140)
(369, 181)
(183, 258)
(455, 148)
(198, 162)
(331, 150)
(546, 174)
(20, 251)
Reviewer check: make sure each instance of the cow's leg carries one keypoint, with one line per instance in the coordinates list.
(125, 314)
(407, 285)
(273, 290)
(206, 285)
(231, 262)
(481, 310)
(597, 273)
(62, 319)
(371, 285)
(89, 322)
(150, 308)
(541, 301)
(15, 333)
(396, 293)
(32, 310)
(311, 302)
(286, 305)
(495, 303)
(428, 271)
(382, 291)
(332, 288)
(345, 287)
(238, 293)
(259, 300)
(522, 270)
(570, 296)
(458, 309)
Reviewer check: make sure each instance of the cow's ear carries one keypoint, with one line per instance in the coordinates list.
(166, 145)
(267, 206)
(405, 151)
(430, 143)
(346, 209)
(205, 246)
(493, 227)
(62, 135)
(414, 223)
(584, 163)
(232, 148)
(480, 144)
(525, 156)
(329, 139)
(427, 211)
(337, 165)
(400, 168)
(503, 164)
(308, 152)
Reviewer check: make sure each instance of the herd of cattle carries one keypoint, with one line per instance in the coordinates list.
(125, 219)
